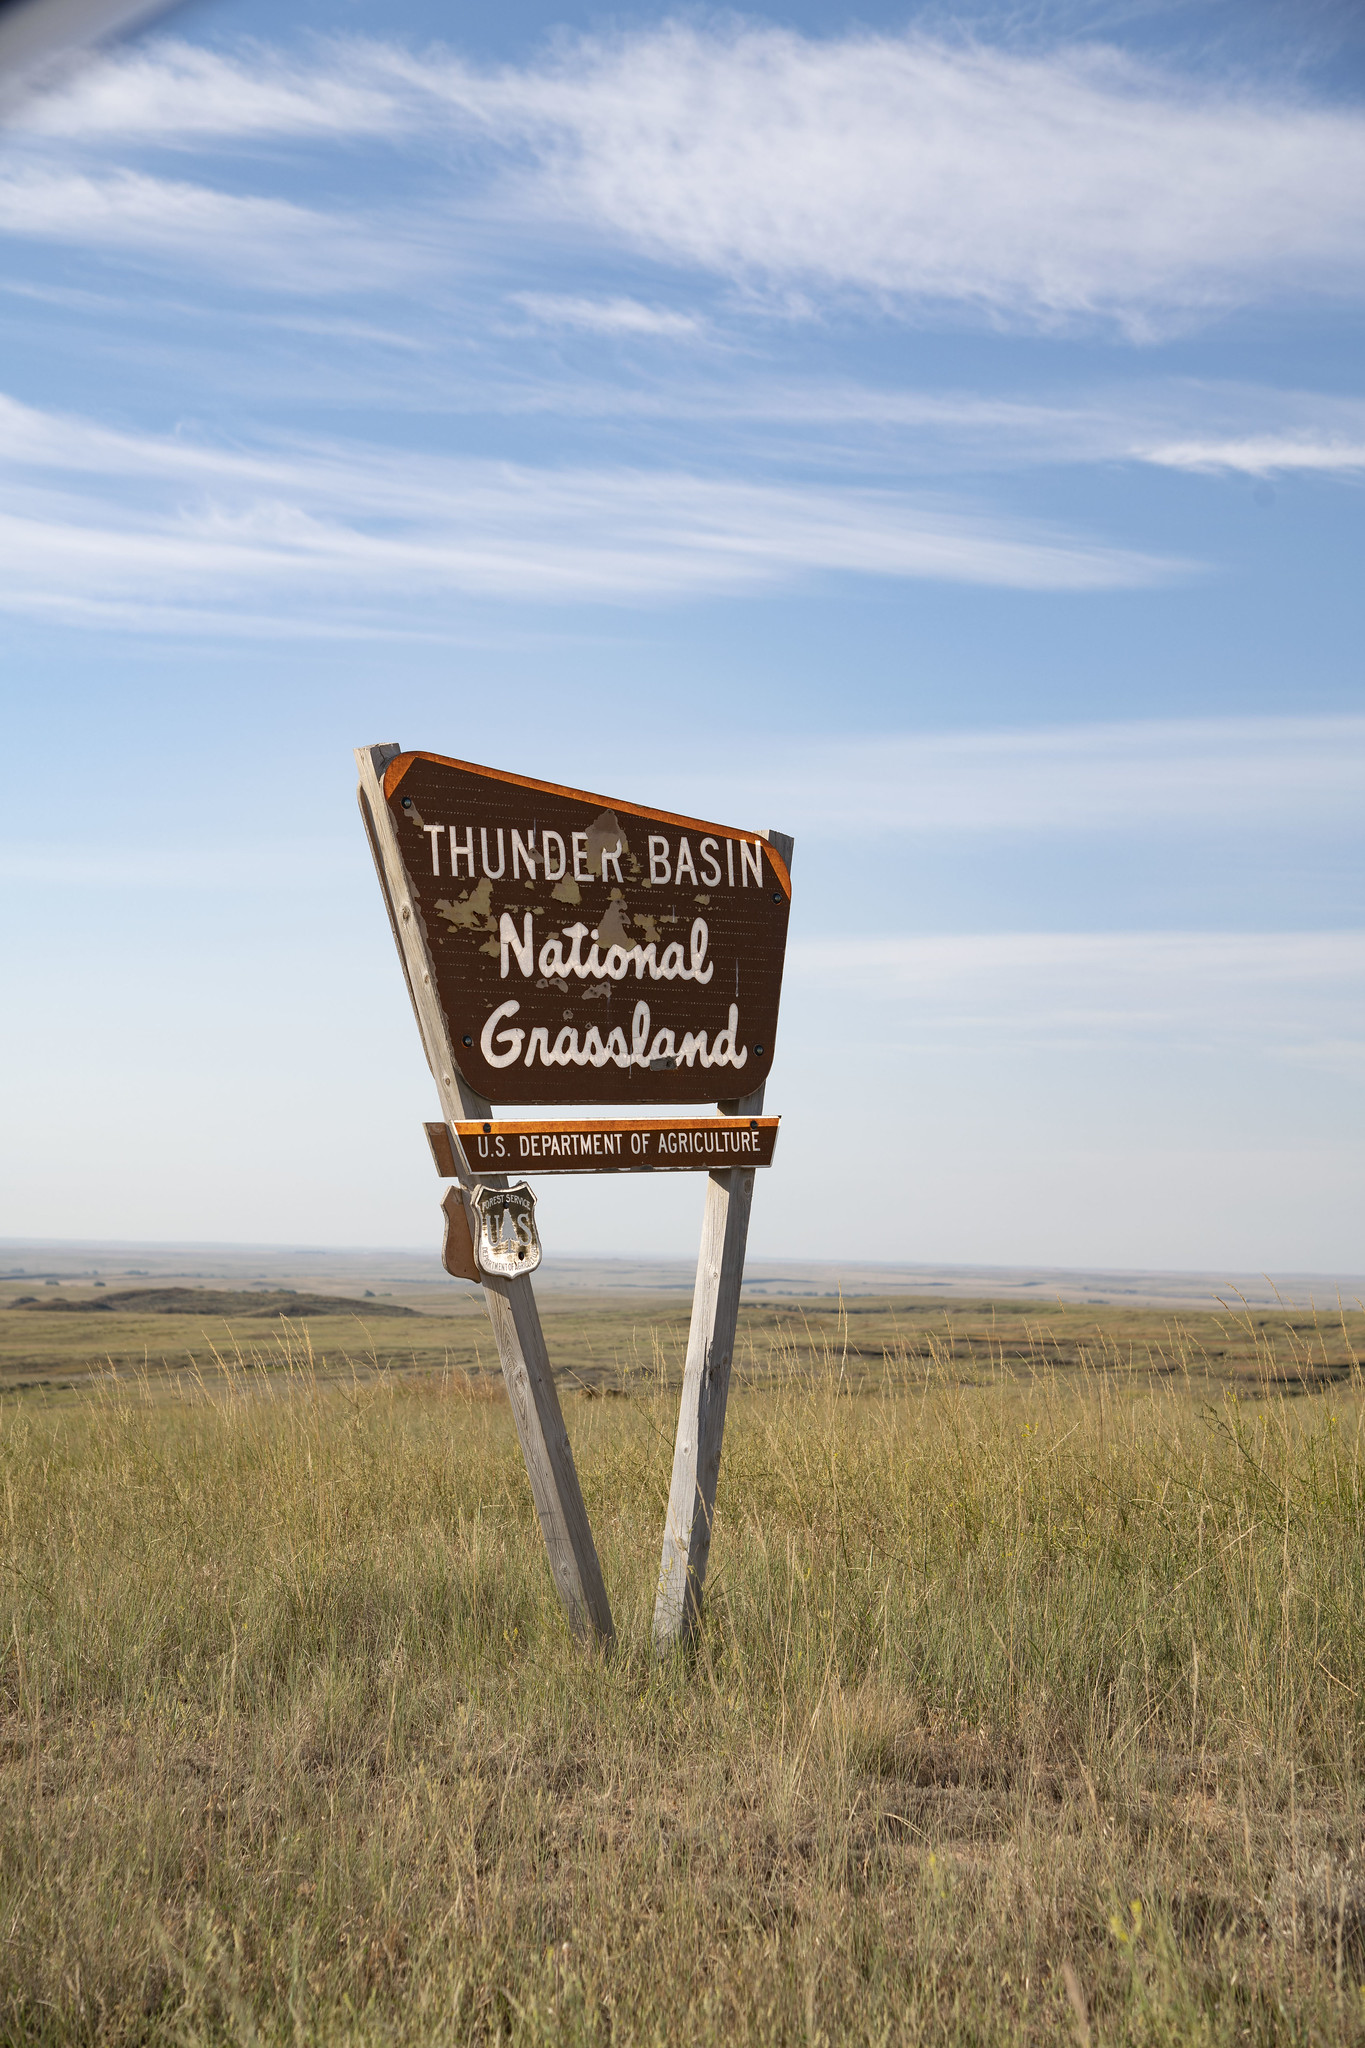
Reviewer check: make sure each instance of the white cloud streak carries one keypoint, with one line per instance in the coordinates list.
(270, 241)
(1260, 455)
(606, 316)
(1295, 995)
(1144, 958)
(1036, 188)
(1070, 779)
(243, 868)
(173, 92)
(1215, 427)
(1073, 184)
(356, 526)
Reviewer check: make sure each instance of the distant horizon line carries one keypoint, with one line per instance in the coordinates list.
(277, 1248)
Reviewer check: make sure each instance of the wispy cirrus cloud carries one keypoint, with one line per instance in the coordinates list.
(606, 316)
(1285, 959)
(1260, 455)
(1101, 777)
(548, 536)
(1196, 426)
(1146, 775)
(271, 241)
(1076, 183)
(180, 94)
(1293, 995)
(1045, 188)
(234, 868)
(307, 525)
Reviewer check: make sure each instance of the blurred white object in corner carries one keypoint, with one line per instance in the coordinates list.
(35, 35)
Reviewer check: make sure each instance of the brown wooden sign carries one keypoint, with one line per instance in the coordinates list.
(589, 950)
(642, 1145)
(559, 947)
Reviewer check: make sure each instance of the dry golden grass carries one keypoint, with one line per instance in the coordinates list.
(1027, 1709)
(605, 1342)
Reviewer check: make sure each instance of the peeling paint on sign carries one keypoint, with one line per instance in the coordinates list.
(674, 930)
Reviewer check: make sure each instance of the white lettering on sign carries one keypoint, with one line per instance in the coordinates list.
(502, 1047)
(554, 860)
(513, 1039)
(716, 1141)
(524, 854)
(523, 947)
(700, 1143)
(553, 874)
(613, 965)
(460, 851)
(568, 1145)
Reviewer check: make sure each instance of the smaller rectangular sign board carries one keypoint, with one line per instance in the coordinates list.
(608, 1145)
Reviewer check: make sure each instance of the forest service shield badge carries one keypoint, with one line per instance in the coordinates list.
(508, 1242)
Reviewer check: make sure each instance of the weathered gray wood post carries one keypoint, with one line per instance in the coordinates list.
(511, 1303)
(706, 1382)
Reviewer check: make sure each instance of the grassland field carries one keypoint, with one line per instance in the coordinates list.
(1028, 1704)
(63, 1338)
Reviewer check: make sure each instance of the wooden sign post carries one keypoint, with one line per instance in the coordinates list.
(560, 948)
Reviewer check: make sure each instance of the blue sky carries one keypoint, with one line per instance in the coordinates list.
(937, 434)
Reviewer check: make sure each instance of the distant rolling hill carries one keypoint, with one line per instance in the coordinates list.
(213, 1301)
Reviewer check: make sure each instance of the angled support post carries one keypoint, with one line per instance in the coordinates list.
(511, 1304)
(706, 1384)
